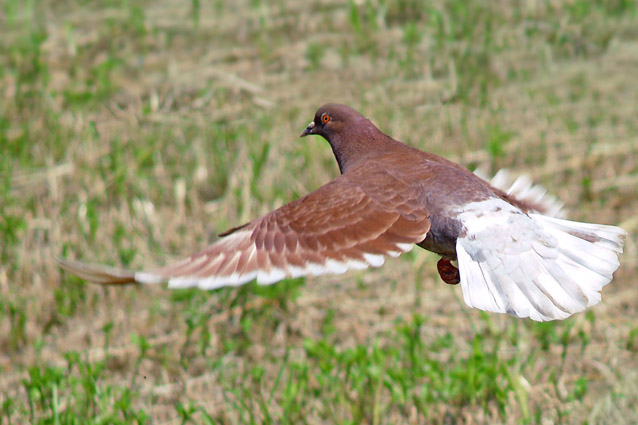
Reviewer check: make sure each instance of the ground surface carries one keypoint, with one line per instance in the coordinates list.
(132, 132)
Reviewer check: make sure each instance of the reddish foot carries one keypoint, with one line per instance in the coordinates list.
(448, 272)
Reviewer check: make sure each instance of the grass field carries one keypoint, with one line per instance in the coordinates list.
(132, 132)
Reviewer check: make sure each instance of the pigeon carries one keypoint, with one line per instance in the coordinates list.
(506, 243)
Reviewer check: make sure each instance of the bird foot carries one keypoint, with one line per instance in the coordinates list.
(448, 272)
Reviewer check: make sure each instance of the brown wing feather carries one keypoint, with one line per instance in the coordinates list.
(339, 226)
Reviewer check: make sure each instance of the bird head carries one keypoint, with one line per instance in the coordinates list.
(351, 136)
(331, 119)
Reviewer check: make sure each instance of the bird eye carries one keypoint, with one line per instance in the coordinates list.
(325, 118)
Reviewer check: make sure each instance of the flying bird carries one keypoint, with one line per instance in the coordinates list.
(506, 243)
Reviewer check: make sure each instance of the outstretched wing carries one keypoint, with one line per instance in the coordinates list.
(338, 227)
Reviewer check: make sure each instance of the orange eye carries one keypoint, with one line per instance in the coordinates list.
(325, 118)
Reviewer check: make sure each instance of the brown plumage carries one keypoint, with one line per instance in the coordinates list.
(391, 196)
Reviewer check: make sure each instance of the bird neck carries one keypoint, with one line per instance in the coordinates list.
(350, 147)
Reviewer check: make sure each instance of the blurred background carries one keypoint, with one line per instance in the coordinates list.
(132, 132)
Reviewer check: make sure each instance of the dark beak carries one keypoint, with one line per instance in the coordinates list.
(309, 130)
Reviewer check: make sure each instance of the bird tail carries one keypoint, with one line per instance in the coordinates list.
(588, 252)
(103, 275)
(536, 266)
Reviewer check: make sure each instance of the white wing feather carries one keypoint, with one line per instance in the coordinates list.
(523, 189)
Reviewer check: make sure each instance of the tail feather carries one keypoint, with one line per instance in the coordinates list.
(611, 237)
(588, 252)
(535, 266)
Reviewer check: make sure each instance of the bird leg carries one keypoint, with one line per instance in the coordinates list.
(448, 272)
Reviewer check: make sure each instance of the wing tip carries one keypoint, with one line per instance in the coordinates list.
(96, 273)
(523, 190)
